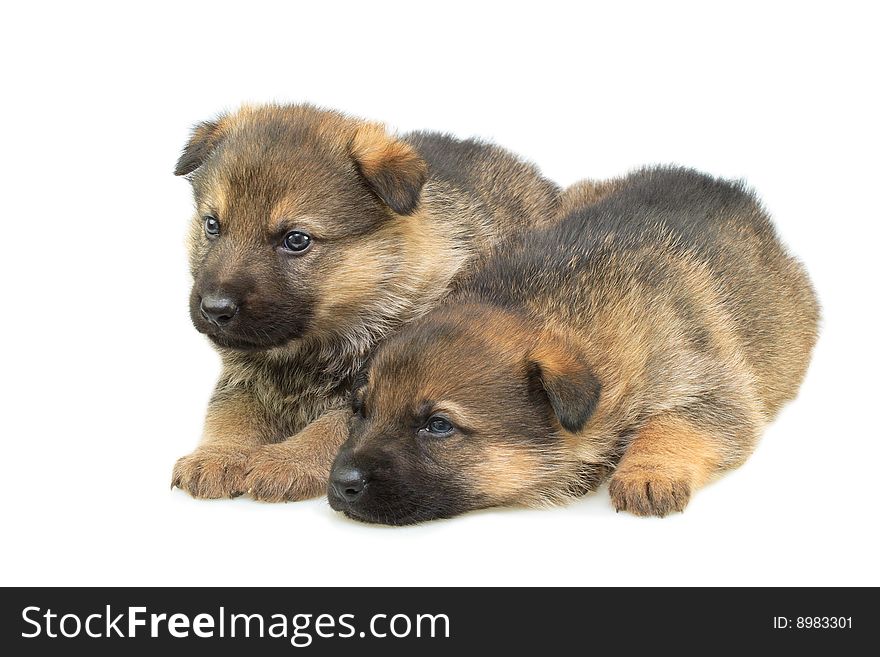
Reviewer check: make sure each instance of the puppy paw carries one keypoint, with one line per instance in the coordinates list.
(273, 476)
(647, 492)
(211, 472)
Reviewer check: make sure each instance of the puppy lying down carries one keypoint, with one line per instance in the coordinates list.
(649, 336)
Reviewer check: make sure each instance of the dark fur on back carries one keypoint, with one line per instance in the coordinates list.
(688, 215)
(491, 175)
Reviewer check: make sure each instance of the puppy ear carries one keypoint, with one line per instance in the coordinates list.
(568, 381)
(392, 168)
(206, 136)
(359, 388)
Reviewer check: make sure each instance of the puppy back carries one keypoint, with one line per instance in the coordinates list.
(654, 230)
(512, 190)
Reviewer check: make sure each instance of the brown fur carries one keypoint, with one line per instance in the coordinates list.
(656, 329)
(293, 469)
(393, 221)
(667, 459)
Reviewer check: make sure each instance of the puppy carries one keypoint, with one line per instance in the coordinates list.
(314, 235)
(650, 335)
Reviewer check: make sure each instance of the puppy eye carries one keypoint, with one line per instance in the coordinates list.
(212, 226)
(439, 426)
(297, 241)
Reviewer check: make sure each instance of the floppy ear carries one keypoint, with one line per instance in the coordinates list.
(358, 388)
(568, 381)
(392, 168)
(205, 138)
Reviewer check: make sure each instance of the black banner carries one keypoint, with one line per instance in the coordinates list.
(425, 621)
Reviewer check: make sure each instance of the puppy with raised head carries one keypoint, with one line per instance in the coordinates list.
(649, 336)
(314, 235)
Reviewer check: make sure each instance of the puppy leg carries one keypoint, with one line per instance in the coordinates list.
(297, 468)
(234, 425)
(669, 459)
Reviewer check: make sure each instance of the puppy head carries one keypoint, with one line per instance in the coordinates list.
(465, 408)
(297, 221)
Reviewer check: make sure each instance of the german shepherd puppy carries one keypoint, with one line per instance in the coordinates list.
(314, 235)
(650, 335)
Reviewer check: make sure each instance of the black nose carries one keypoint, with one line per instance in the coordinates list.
(348, 483)
(218, 309)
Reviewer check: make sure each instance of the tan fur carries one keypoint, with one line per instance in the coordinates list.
(426, 260)
(374, 150)
(505, 474)
(297, 469)
(232, 429)
(667, 460)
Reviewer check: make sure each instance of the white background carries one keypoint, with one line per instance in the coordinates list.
(105, 381)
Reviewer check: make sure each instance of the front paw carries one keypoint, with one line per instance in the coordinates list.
(274, 476)
(211, 472)
(648, 492)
